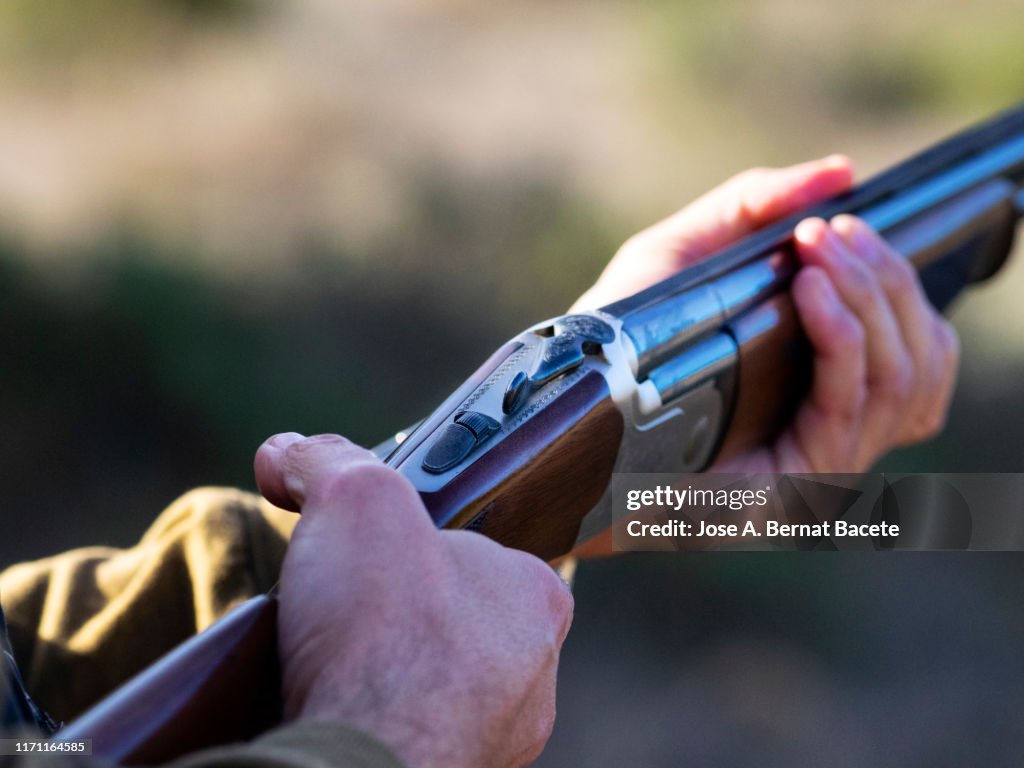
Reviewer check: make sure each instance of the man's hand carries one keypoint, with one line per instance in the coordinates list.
(885, 361)
(444, 645)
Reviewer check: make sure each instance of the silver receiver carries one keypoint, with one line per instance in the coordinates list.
(672, 416)
(670, 353)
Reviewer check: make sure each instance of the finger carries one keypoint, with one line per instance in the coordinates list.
(890, 369)
(930, 339)
(822, 436)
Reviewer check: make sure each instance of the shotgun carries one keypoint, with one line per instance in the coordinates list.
(705, 364)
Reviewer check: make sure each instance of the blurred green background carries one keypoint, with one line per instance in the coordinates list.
(220, 219)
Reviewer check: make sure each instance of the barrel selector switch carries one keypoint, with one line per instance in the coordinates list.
(457, 441)
(573, 338)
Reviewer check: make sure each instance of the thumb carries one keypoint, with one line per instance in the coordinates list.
(749, 201)
(289, 466)
(743, 204)
(327, 474)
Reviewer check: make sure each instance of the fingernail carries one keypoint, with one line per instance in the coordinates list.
(819, 234)
(809, 231)
(864, 242)
(326, 437)
(282, 440)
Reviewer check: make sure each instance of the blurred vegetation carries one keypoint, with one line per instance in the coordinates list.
(223, 219)
(137, 378)
(866, 59)
(58, 32)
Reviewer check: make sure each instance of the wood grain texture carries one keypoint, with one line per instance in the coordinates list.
(774, 373)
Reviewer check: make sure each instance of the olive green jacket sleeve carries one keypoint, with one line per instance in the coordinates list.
(83, 622)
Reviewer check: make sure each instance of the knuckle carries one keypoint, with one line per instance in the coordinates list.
(545, 727)
(746, 195)
(896, 384)
(862, 285)
(948, 341)
(858, 402)
(928, 424)
(635, 243)
(849, 335)
(852, 411)
(361, 478)
(847, 408)
(751, 177)
(900, 280)
(539, 735)
(563, 605)
(554, 596)
(558, 597)
(371, 473)
(936, 422)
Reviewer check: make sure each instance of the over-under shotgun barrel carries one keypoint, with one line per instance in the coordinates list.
(709, 361)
